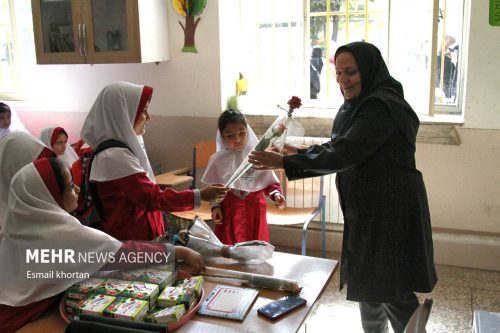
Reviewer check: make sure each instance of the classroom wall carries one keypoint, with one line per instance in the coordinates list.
(463, 181)
(482, 105)
(187, 85)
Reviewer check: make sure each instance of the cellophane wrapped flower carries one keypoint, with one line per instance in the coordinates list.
(275, 135)
(201, 238)
(256, 280)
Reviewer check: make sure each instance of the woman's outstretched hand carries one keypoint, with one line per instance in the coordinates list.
(266, 160)
(286, 150)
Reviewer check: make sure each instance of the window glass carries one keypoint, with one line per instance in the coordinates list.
(316, 6)
(318, 58)
(448, 61)
(57, 26)
(110, 31)
(357, 5)
(274, 55)
(410, 50)
(337, 5)
(348, 21)
(6, 49)
(403, 31)
(16, 45)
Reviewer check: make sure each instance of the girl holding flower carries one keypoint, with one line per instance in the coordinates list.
(131, 200)
(241, 216)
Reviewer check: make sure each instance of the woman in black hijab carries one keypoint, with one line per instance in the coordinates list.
(315, 67)
(387, 252)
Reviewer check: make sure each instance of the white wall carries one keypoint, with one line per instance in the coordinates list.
(463, 181)
(482, 103)
(187, 85)
(229, 46)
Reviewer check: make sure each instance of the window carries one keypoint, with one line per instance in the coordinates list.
(271, 49)
(16, 45)
(288, 48)
(332, 24)
(449, 60)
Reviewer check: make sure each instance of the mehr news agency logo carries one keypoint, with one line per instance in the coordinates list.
(60, 257)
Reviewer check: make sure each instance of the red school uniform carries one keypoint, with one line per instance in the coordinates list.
(132, 206)
(244, 217)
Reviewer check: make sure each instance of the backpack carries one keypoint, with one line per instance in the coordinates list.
(89, 211)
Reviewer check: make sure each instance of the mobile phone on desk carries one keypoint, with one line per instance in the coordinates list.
(278, 308)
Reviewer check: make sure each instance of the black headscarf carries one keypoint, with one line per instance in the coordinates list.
(376, 82)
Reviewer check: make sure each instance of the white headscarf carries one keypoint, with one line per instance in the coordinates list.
(15, 125)
(36, 221)
(69, 155)
(16, 150)
(112, 117)
(225, 161)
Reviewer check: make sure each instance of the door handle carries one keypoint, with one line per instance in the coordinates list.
(84, 30)
(80, 40)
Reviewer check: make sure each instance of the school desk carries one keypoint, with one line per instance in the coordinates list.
(312, 273)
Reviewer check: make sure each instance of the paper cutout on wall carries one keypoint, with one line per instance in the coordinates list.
(241, 86)
(189, 9)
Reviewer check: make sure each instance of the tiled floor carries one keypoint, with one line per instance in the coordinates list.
(458, 293)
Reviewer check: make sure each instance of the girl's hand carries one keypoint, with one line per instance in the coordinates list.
(217, 215)
(192, 258)
(279, 200)
(215, 192)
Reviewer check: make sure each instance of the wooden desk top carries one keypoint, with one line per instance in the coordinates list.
(170, 179)
(205, 212)
(312, 273)
(287, 215)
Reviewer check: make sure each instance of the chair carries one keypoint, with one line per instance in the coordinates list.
(287, 216)
(419, 319)
(309, 202)
(201, 154)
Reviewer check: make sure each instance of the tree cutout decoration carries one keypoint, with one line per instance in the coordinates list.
(189, 9)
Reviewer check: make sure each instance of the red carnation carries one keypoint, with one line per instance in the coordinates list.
(294, 103)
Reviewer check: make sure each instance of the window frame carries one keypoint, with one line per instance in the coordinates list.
(327, 109)
(329, 51)
(11, 95)
(458, 109)
(17, 93)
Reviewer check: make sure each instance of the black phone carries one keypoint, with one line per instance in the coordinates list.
(278, 308)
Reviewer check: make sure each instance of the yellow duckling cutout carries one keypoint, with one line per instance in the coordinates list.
(241, 86)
